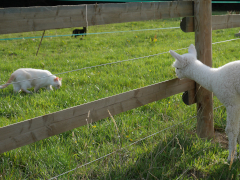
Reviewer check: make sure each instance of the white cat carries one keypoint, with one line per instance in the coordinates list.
(224, 82)
(26, 78)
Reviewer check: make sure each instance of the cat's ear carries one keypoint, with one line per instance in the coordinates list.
(56, 79)
(176, 56)
(192, 50)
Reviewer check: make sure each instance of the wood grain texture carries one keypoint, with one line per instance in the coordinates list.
(14, 20)
(203, 43)
(32, 130)
(218, 22)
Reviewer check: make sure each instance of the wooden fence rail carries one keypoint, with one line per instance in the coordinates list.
(218, 22)
(32, 130)
(14, 20)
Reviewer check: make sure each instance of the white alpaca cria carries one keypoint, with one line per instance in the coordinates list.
(224, 82)
(25, 78)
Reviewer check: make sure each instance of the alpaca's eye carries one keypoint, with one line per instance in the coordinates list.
(177, 68)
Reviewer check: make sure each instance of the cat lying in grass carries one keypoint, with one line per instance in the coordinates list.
(224, 82)
(26, 78)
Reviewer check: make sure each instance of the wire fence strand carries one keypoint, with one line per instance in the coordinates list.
(90, 67)
(113, 63)
(121, 148)
(131, 145)
(83, 34)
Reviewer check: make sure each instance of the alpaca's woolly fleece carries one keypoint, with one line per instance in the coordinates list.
(224, 82)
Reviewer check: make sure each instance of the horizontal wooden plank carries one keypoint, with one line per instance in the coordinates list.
(218, 22)
(14, 20)
(226, 21)
(32, 130)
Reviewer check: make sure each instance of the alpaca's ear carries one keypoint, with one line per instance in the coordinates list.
(176, 56)
(192, 50)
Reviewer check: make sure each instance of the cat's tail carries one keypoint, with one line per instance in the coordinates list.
(12, 77)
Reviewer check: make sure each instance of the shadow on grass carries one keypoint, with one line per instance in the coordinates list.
(177, 157)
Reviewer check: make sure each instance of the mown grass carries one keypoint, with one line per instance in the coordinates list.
(172, 153)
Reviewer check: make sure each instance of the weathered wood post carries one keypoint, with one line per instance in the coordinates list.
(203, 43)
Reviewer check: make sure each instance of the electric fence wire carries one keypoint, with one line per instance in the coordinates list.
(196, 153)
(115, 62)
(97, 66)
(126, 146)
(122, 148)
(35, 37)
(226, 41)
(129, 146)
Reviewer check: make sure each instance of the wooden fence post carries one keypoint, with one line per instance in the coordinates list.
(203, 43)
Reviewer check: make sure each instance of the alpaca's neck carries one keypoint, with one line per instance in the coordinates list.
(202, 74)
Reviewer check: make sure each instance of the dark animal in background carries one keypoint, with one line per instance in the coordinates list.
(77, 32)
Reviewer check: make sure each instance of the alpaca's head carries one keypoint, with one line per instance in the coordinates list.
(183, 61)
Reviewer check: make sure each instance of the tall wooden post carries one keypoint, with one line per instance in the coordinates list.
(203, 43)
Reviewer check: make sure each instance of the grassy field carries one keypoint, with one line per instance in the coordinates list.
(155, 141)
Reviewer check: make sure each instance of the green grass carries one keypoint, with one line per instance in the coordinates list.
(170, 154)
